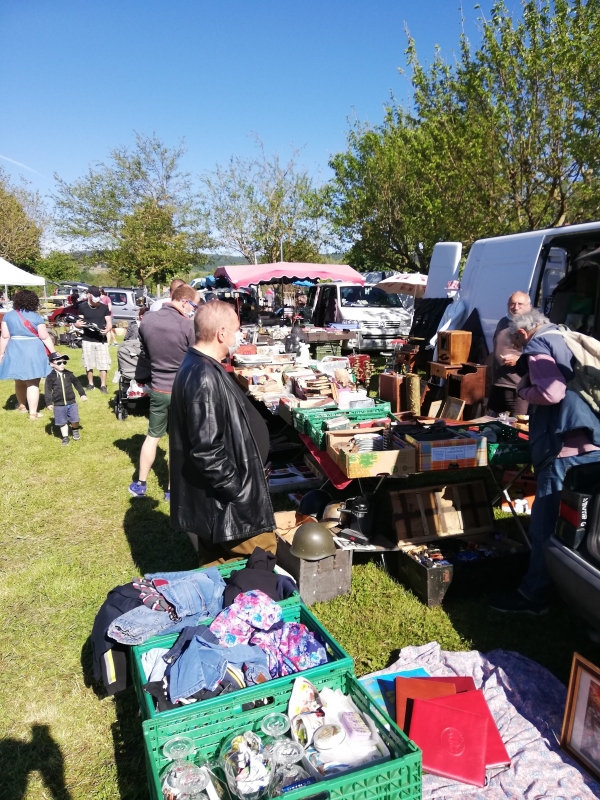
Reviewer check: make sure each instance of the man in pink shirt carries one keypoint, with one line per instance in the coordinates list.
(563, 432)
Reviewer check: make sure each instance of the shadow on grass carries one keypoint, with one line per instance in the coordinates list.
(133, 446)
(155, 546)
(41, 754)
(128, 743)
(550, 640)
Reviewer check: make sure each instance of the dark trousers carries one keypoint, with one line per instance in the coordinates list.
(503, 398)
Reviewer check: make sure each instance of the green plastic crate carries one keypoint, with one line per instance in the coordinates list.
(396, 779)
(226, 570)
(303, 416)
(510, 449)
(318, 430)
(340, 661)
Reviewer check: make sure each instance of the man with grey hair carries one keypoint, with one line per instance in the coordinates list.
(564, 431)
(505, 377)
(218, 446)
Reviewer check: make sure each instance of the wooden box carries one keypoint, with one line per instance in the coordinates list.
(468, 384)
(368, 465)
(421, 514)
(465, 579)
(390, 384)
(438, 369)
(318, 581)
(454, 453)
(453, 347)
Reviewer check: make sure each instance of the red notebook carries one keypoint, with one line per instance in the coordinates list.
(408, 689)
(454, 742)
(461, 684)
(475, 702)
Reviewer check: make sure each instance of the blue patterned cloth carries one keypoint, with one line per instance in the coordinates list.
(25, 356)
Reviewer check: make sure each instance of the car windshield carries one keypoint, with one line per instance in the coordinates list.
(361, 296)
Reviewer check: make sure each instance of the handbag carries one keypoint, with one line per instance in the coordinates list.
(32, 329)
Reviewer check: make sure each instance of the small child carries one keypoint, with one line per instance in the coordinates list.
(60, 396)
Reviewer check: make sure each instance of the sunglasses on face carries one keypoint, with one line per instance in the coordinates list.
(60, 362)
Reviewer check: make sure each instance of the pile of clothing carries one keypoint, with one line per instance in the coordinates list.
(167, 602)
(246, 644)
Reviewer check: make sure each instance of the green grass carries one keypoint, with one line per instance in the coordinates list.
(70, 532)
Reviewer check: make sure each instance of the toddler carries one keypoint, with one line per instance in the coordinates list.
(60, 396)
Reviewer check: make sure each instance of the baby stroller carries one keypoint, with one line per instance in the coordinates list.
(134, 378)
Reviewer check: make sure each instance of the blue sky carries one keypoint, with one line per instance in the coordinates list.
(77, 77)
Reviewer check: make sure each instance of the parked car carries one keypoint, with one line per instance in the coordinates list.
(377, 316)
(126, 302)
(244, 302)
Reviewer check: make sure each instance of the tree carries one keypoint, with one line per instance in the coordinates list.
(257, 205)
(20, 224)
(504, 140)
(152, 246)
(138, 212)
(58, 266)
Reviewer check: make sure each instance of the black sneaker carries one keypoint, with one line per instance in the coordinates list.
(516, 603)
(76, 435)
(104, 390)
(65, 441)
(89, 387)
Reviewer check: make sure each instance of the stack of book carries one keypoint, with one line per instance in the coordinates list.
(450, 720)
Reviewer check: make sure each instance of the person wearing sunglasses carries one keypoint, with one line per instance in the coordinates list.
(59, 392)
(165, 335)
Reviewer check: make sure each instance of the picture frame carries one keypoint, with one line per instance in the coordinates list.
(580, 735)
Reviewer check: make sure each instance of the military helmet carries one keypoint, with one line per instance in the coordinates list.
(312, 542)
(314, 503)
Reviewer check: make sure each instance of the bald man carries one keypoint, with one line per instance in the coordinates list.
(218, 446)
(505, 378)
(158, 304)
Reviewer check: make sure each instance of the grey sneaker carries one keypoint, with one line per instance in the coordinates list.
(76, 435)
(65, 441)
(104, 390)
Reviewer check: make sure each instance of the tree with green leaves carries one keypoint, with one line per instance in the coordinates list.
(58, 266)
(138, 212)
(21, 223)
(258, 206)
(504, 140)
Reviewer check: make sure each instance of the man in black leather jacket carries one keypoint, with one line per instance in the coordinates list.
(218, 445)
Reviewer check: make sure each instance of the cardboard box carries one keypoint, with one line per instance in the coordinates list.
(245, 377)
(368, 465)
(450, 453)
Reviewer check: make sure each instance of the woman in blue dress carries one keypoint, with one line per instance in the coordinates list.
(23, 356)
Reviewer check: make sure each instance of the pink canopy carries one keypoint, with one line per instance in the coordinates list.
(249, 274)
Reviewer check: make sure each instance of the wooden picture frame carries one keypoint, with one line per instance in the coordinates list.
(452, 409)
(580, 736)
(434, 408)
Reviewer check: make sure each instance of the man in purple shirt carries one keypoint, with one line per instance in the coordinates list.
(563, 431)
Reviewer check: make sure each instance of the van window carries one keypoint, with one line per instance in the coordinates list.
(368, 296)
(117, 298)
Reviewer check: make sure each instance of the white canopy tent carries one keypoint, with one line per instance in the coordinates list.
(14, 276)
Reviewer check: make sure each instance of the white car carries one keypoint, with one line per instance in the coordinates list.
(377, 317)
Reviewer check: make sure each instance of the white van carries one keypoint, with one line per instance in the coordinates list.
(377, 317)
(534, 263)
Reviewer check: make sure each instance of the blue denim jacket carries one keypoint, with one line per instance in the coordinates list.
(196, 596)
(198, 661)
